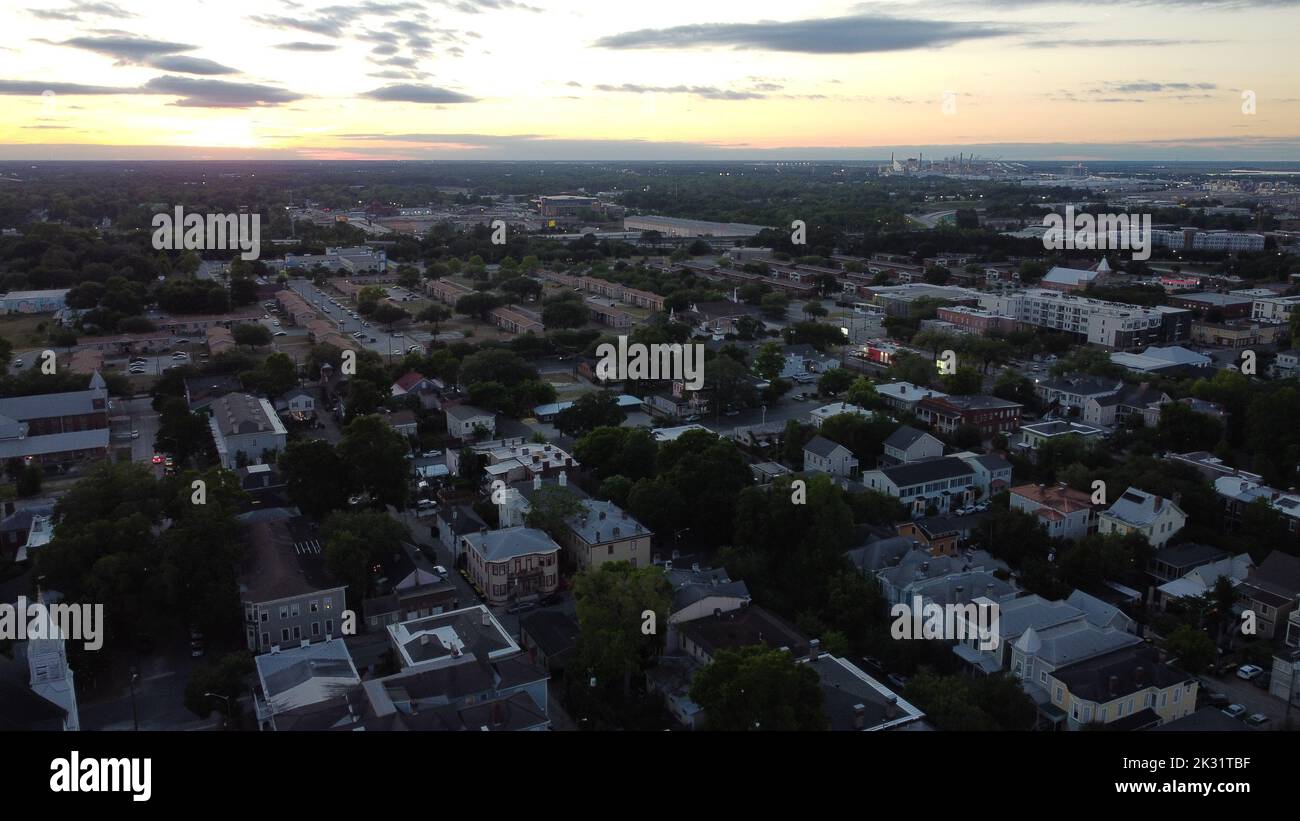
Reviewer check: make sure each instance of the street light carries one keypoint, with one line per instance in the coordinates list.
(225, 699)
(135, 718)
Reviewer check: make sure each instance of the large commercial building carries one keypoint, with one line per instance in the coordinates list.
(56, 427)
(245, 428)
(678, 227)
(1113, 325)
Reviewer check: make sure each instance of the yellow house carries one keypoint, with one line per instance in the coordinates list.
(1131, 689)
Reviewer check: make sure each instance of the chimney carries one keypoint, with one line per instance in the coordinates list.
(859, 716)
(537, 481)
(1113, 685)
(487, 617)
(814, 649)
(1139, 676)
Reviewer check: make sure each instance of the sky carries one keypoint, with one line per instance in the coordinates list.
(662, 80)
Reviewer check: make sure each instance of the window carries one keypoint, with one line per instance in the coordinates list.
(264, 614)
(315, 628)
(266, 639)
(294, 610)
(1177, 693)
(297, 632)
(284, 612)
(284, 634)
(329, 626)
(329, 602)
(314, 606)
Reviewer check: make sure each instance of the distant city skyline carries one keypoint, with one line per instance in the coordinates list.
(507, 80)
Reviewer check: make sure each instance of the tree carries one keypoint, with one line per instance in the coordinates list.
(550, 509)
(769, 361)
(609, 451)
(965, 703)
(616, 489)
(566, 313)
(1190, 648)
(862, 393)
(612, 602)
(774, 305)
(249, 334)
(316, 479)
(588, 412)
(964, 382)
(226, 677)
(759, 688)
(835, 381)
(29, 483)
(376, 457)
(387, 314)
(434, 314)
(1182, 429)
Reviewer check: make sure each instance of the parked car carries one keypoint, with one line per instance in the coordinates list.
(1249, 671)
(196, 649)
(440, 570)
(429, 454)
(1234, 710)
(521, 607)
(1215, 698)
(551, 599)
(1257, 719)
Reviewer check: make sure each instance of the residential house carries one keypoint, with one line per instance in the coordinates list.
(821, 455)
(1176, 561)
(1270, 591)
(465, 422)
(904, 396)
(548, 637)
(414, 383)
(1066, 513)
(604, 532)
(513, 563)
(1238, 492)
(454, 521)
(818, 415)
(1131, 688)
(1033, 436)
(987, 414)
(1156, 518)
(56, 427)
(286, 591)
(293, 680)
(1203, 579)
(907, 444)
(941, 484)
(992, 472)
(1071, 392)
(408, 587)
(246, 430)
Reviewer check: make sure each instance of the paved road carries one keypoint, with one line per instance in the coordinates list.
(1256, 700)
(135, 415)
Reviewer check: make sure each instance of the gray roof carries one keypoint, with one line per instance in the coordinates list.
(880, 553)
(1017, 615)
(1137, 507)
(1098, 612)
(46, 405)
(1189, 554)
(904, 437)
(1075, 641)
(821, 446)
(54, 443)
(465, 413)
(499, 545)
(604, 521)
(916, 473)
(240, 413)
(288, 668)
(1082, 384)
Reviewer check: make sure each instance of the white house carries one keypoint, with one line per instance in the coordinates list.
(245, 426)
(907, 444)
(824, 456)
(1137, 511)
(463, 419)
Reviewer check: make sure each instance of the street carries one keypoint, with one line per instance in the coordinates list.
(387, 344)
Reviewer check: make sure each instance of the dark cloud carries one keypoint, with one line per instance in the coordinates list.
(20, 88)
(707, 92)
(196, 93)
(832, 35)
(299, 45)
(324, 26)
(191, 65)
(1156, 88)
(410, 93)
(126, 49)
